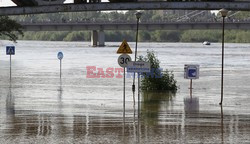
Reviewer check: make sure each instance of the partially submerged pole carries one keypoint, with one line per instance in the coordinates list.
(60, 57)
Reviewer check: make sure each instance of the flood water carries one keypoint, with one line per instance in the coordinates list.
(36, 107)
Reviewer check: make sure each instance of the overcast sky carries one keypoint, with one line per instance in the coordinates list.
(10, 3)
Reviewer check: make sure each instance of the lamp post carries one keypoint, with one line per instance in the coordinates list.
(223, 13)
(138, 16)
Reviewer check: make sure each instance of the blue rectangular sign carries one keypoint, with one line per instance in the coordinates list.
(10, 50)
(192, 73)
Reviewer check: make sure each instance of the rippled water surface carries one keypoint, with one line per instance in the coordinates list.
(36, 107)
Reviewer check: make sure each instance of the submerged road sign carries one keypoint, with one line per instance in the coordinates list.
(124, 48)
(123, 60)
(191, 71)
(60, 55)
(138, 67)
(10, 50)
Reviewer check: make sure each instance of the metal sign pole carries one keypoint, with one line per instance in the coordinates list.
(138, 95)
(60, 57)
(10, 67)
(191, 87)
(138, 119)
(124, 94)
(60, 68)
(123, 62)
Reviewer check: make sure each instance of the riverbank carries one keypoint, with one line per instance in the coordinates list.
(231, 36)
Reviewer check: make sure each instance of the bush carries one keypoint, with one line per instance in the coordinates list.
(201, 36)
(157, 80)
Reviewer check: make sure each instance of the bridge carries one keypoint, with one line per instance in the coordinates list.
(37, 2)
(106, 6)
(97, 28)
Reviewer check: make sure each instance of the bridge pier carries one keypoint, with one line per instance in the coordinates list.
(101, 38)
(94, 38)
(97, 38)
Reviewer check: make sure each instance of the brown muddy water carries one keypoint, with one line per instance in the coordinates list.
(36, 107)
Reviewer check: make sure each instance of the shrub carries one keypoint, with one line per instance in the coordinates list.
(157, 80)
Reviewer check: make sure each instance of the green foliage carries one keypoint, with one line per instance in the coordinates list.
(234, 36)
(77, 36)
(115, 36)
(9, 27)
(242, 37)
(144, 36)
(151, 105)
(157, 80)
(166, 36)
(46, 36)
(201, 36)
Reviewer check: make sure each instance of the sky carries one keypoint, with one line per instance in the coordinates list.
(10, 3)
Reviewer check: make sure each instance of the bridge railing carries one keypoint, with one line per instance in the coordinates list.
(134, 22)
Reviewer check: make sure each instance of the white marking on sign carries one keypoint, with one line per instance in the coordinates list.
(60, 55)
(10, 50)
(123, 60)
(138, 67)
(191, 71)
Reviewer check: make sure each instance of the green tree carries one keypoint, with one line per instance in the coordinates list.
(9, 27)
(242, 37)
(157, 80)
(144, 36)
(166, 36)
(76, 36)
(201, 36)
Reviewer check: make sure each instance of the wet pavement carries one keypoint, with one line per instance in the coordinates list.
(36, 107)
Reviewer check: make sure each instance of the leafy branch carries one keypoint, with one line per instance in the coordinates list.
(9, 28)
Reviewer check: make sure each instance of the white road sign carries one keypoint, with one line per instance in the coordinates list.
(138, 67)
(123, 60)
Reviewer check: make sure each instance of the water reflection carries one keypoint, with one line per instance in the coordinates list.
(60, 91)
(80, 127)
(88, 129)
(222, 125)
(152, 102)
(10, 103)
(191, 105)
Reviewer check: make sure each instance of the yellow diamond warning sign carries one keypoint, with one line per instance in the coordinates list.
(124, 48)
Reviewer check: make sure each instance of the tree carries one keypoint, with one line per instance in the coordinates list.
(157, 80)
(9, 27)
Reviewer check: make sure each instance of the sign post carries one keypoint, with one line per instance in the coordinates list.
(191, 72)
(10, 50)
(123, 60)
(60, 57)
(139, 67)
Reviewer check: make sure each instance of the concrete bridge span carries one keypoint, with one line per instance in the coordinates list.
(22, 3)
(105, 6)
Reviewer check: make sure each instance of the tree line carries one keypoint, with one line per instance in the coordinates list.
(237, 36)
(231, 36)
